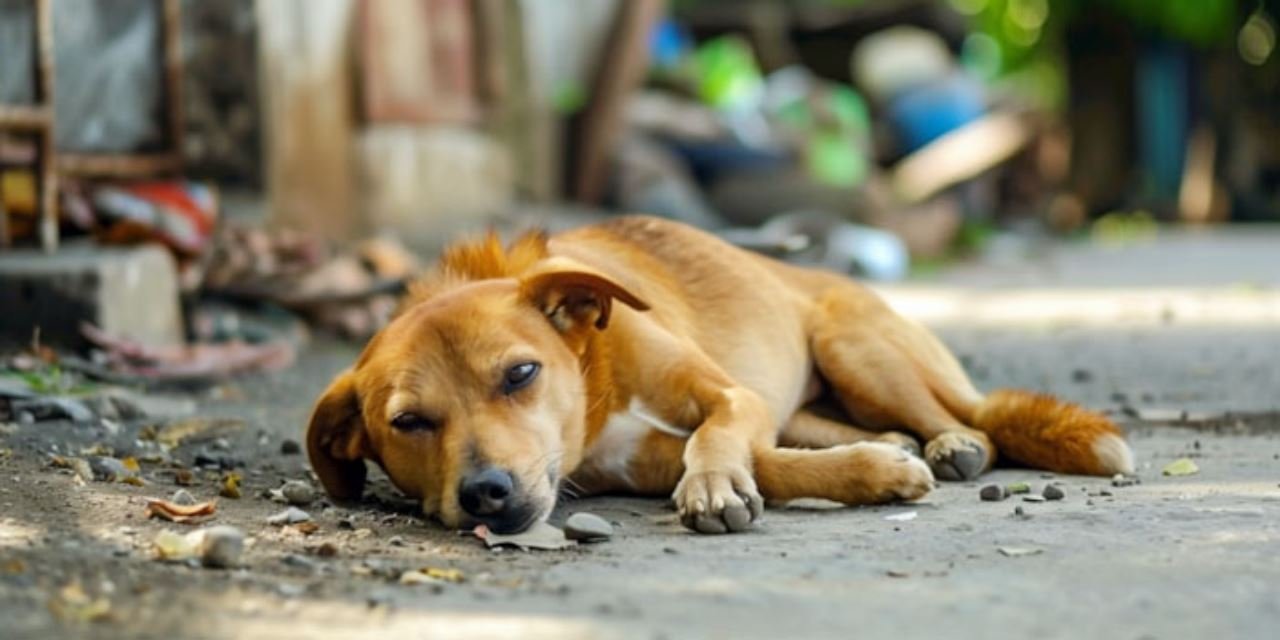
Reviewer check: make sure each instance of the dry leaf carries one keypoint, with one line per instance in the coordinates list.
(230, 486)
(74, 605)
(539, 536)
(1181, 467)
(197, 429)
(306, 528)
(157, 508)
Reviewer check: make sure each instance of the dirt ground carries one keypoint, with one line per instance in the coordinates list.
(1172, 557)
(1191, 556)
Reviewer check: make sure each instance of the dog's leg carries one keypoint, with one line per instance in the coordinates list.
(808, 430)
(888, 372)
(853, 474)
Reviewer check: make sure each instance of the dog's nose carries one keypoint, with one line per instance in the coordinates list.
(486, 492)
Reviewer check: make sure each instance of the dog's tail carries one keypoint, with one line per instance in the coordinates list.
(1041, 431)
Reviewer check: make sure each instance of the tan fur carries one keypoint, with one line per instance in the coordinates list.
(685, 386)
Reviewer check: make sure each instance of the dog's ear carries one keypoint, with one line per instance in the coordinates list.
(336, 440)
(574, 296)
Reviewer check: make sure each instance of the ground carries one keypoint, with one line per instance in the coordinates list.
(1173, 556)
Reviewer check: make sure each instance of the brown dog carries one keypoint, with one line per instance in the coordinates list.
(511, 371)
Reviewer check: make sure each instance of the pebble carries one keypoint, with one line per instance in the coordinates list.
(1033, 498)
(300, 561)
(290, 447)
(292, 515)
(183, 497)
(298, 493)
(1121, 480)
(221, 547)
(396, 541)
(1053, 492)
(587, 526)
(109, 469)
(992, 493)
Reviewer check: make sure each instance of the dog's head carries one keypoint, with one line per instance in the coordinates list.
(472, 400)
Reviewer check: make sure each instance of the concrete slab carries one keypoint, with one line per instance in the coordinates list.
(130, 291)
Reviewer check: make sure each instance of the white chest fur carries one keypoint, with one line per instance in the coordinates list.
(622, 436)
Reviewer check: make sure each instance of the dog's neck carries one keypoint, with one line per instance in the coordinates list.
(597, 379)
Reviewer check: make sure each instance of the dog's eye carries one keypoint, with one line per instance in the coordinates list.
(519, 376)
(408, 421)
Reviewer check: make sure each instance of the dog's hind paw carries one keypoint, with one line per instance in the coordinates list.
(718, 501)
(956, 455)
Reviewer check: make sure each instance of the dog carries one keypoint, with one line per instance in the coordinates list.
(647, 357)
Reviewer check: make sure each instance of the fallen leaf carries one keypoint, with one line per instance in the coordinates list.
(230, 486)
(539, 536)
(131, 464)
(430, 575)
(1018, 552)
(196, 430)
(157, 508)
(134, 480)
(176, 546)
(448, 575)
(184, 478)
(1017, 487)
(1181, 467)
(306, 528)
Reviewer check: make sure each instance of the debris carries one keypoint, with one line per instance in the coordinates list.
(325, 550)
(1181, 467)
(1121, 480)
(184, 478)
(396, 541)
(1015, 488)
(1018, 552)
(195, 364)
(197, 430)
(183, 498)
(992, 493)
(1081, 376)
(220, 547)
(290, 447)
(306, 528)
(905, 516)
(584, 526)
(173, 512)
(1020, 513)
(1033, 498)
(110, 469)
(230, 486)
(298, 493)
(72, 604)
(1053, 492)
(292, 515)
(79, 466)
(175, 547)
(430, 575)
(539, 536)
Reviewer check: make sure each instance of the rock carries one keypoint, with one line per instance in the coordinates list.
(1053, 492)
(290, 447)
(300, 561)
(396, 541)
(1081, 376)
(1033, 498)
(587, 526)
(1121, 480)
(298, 493)
(183, 497)
(292, 515)
(109, 469)
(992, 493)
(221, 546)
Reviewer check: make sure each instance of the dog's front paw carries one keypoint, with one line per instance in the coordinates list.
(718, 501)
(957, 455)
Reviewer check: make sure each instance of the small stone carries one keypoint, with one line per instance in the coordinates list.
(1121, 480)
(1015, 488)
(587, 526)
(992, 493)
(1018, 512)
(183, 497)
(298, 493)
(292, 515)
(289, 447)
(1081, 376)
(1032, 498)
(109, 469)
(221, 547)
(1053, 492)
(300, 561)
(396, 541)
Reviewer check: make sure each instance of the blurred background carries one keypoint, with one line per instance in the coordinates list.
(195, 158)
